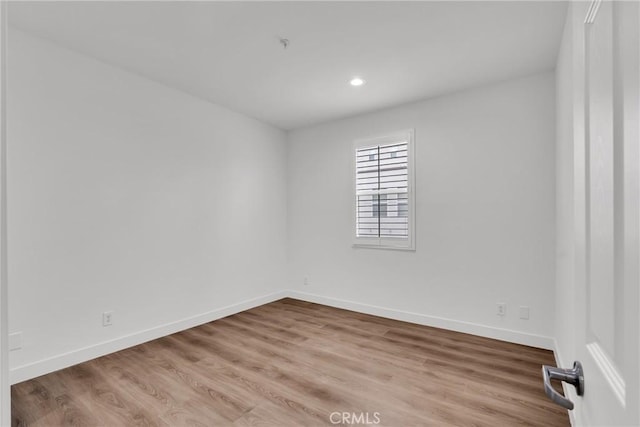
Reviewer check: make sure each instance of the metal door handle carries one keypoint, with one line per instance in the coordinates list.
(574, 376)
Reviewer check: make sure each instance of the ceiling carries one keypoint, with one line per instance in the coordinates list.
(229, 52)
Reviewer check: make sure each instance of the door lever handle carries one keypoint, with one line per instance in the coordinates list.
(574, 376)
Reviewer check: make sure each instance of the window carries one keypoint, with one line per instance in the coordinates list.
(384, 192)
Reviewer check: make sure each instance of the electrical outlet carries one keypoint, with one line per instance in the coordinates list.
(306, 281)
(107, 318)
(524, 312)
(502, 309)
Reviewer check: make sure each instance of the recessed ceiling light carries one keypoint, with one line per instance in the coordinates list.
(356, 81)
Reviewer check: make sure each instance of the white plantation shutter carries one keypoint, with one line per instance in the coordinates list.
(383, 191)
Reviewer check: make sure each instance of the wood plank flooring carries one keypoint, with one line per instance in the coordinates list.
(293, 363)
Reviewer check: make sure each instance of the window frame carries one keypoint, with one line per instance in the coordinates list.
(395, 243)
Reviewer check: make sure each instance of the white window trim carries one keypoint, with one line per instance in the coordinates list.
(404, 244)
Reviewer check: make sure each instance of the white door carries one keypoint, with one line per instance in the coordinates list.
(5, 391)
(608, 302)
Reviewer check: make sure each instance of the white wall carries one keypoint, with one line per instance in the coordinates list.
(129, 196)
(485, 207)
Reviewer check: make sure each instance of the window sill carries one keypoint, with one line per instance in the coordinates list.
(387, 247)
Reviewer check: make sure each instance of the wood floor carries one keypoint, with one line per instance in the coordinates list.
(292, 363)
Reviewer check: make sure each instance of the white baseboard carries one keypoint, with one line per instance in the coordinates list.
(45, 366)
(509, 335)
